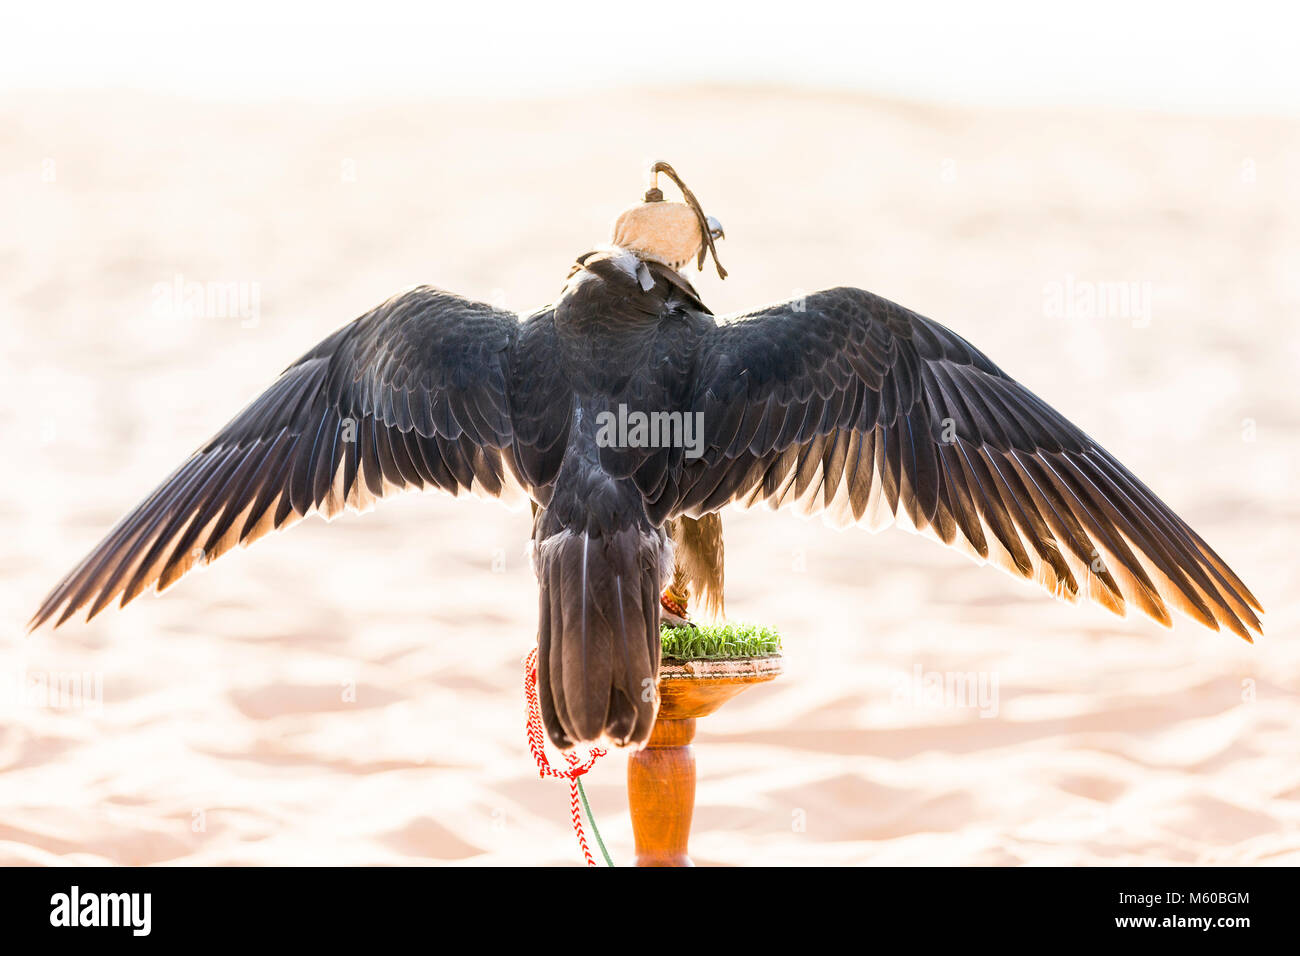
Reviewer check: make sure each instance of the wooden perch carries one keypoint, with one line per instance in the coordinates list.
(661, 778)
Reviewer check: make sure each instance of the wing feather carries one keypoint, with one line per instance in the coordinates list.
(845, 404)
(415, 393)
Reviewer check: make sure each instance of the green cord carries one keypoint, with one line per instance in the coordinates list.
(592, 820)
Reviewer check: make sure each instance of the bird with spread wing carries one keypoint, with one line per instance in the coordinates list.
(839, 402)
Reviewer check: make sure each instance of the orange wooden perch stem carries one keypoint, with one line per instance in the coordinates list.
(661, 778)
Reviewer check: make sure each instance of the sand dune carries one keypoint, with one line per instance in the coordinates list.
(349, 694)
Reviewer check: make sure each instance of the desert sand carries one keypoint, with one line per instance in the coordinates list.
(350, 693)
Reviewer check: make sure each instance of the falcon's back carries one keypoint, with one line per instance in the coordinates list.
(622, 338)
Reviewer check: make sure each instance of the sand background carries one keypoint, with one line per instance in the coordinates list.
(224, 736)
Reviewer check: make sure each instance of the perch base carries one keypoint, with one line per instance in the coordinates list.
(661, 778)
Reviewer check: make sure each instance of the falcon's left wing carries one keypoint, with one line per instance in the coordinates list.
(846, 403)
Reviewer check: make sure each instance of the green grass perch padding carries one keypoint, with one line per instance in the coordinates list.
(719, 642)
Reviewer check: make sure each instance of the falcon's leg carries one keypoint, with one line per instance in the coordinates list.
(672, 603)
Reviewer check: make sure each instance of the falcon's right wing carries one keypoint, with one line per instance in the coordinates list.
(412, 394)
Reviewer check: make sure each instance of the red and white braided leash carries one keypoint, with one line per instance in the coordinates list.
(537, 744)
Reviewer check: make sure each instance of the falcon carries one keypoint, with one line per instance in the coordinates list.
(629, 415)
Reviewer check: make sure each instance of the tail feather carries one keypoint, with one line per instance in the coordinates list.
(598, 634)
